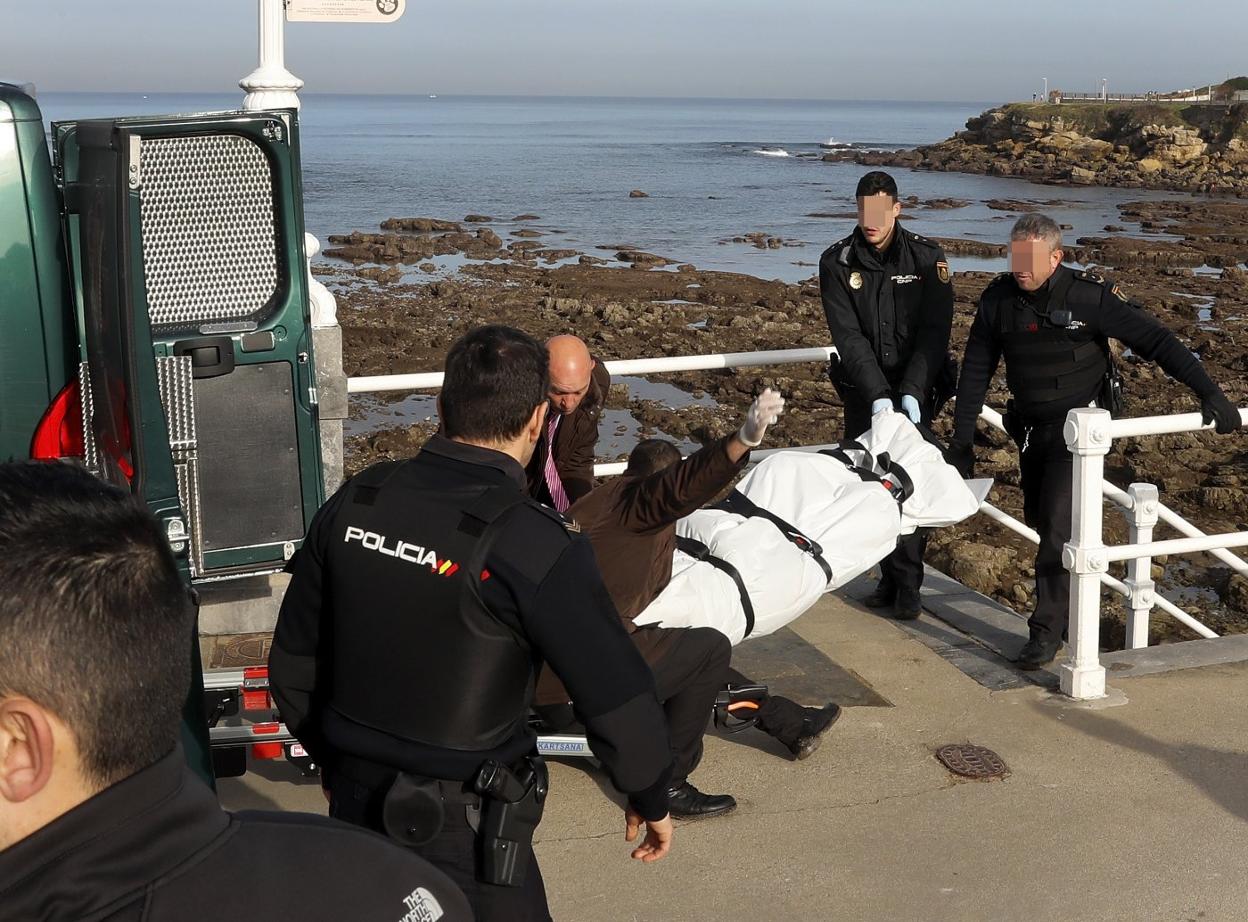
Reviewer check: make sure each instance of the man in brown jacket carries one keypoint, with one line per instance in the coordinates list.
(631, 524)
(561, 470)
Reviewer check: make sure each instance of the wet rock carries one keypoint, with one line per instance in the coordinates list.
(419, 225)
(478, 219)
(637, 193)
(527, 232)
(527, 217)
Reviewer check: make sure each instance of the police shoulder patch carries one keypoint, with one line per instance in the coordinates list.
(942, 272)
(1117, 292)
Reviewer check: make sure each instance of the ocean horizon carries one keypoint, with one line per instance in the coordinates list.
(712, 169)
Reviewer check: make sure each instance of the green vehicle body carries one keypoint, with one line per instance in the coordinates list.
(115, 258)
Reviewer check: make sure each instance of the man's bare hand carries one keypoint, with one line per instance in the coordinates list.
(658, 840)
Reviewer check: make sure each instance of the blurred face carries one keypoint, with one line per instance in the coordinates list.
(568, 390)
(877, 216)
(1032, 263)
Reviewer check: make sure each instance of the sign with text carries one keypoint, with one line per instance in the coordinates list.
(344, 10)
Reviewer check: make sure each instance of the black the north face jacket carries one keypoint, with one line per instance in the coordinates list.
(889, 313)
(157, 846)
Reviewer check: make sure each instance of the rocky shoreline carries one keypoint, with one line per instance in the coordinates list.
(1143, 146)
(628, 304)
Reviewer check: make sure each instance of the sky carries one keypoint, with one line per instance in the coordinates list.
(962, 50)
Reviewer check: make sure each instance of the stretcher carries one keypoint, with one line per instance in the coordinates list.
(800, 524)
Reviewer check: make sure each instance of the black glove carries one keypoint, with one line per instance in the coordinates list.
(1217, 409)
(962, 456)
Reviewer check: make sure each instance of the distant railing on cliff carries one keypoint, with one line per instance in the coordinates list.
(1089, 433)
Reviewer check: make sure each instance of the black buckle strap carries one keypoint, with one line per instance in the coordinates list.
(738, 502)
(895, 480)
(699, 551)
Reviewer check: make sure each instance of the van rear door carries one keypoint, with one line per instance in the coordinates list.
(186, 241)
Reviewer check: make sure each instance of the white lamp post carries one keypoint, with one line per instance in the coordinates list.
(271, 85)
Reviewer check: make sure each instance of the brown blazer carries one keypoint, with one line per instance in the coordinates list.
(631, 523)
(575, 441)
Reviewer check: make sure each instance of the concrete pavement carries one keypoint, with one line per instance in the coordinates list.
(1134, 813)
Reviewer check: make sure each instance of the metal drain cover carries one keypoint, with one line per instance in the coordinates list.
(971, 761)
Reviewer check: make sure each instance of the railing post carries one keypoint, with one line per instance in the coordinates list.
(1141, 517)
(1087, 437)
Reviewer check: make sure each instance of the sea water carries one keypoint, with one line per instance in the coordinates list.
(712, 169)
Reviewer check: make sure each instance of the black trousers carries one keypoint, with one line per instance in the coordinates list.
(902, 570)
(687, 677)
(778, 717)
(1047, 470)
(453, 851)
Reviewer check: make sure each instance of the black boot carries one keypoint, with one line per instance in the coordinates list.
(1037, 653)
(686, 802)
(884, 594)
(907, 606)
(799, 729)
(813, 728)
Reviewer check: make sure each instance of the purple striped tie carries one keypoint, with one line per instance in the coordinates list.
(557, 494)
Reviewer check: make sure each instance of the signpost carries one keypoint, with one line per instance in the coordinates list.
(344, 10)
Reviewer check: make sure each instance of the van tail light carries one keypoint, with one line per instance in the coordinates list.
(59, 433)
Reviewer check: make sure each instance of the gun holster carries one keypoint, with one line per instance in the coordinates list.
(736, 706)
(412, 812)
(1111, 397)
(511, 807)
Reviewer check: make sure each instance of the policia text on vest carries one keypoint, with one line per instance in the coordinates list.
(426, 595)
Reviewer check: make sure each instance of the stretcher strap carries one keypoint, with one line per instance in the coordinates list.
(738, 502)
(894, 479)
(699, 551)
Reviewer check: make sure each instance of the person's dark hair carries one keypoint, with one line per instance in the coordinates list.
(495, 376)
(651, 456)
(874, 183)
(95, 622)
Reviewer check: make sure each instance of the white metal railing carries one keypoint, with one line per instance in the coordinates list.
(1090, 433)
(1082, 676)
(431, 379)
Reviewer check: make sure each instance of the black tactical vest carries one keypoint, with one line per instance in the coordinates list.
(415, 652)
(1051, 366)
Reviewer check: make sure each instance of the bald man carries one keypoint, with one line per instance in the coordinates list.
(562, 468)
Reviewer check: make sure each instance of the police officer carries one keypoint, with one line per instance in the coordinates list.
(889, 305)
(426, 596)
(100, 816)
(1052, 325)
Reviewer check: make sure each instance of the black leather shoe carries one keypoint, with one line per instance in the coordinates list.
(907, 607)
(813, 727)
(1036, 654)
(688, 803)
(882, 597)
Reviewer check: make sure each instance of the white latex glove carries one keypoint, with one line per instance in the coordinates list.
(764, 411)
(911, 408)
(879, 406)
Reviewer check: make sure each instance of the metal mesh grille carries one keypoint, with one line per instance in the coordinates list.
(209, 229)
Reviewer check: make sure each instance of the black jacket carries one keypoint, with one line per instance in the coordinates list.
(890, 314)
(157, 846)
(541, 578)
(1098, 311)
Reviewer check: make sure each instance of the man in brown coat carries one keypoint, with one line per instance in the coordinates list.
(631, 523)
(561, 470)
